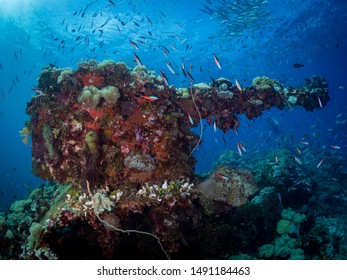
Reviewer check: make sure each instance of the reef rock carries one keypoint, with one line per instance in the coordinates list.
(232, 186)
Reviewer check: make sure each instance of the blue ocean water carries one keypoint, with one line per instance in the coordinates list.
(36, 33)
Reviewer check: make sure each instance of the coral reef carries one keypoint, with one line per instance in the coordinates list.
(290, 222)
(327, 238)
(172, 219)
(285, 245)
(24, 226)
(118, 141)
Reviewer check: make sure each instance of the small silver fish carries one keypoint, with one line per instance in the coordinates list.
(238, 85)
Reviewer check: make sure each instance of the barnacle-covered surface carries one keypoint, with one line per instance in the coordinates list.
(117, 147)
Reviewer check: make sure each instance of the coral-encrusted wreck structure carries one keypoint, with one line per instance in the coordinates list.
(115, 127)
(121, 138)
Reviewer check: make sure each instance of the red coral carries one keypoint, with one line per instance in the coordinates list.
(91, 79)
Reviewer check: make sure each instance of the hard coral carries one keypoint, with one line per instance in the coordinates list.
(232, 186)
